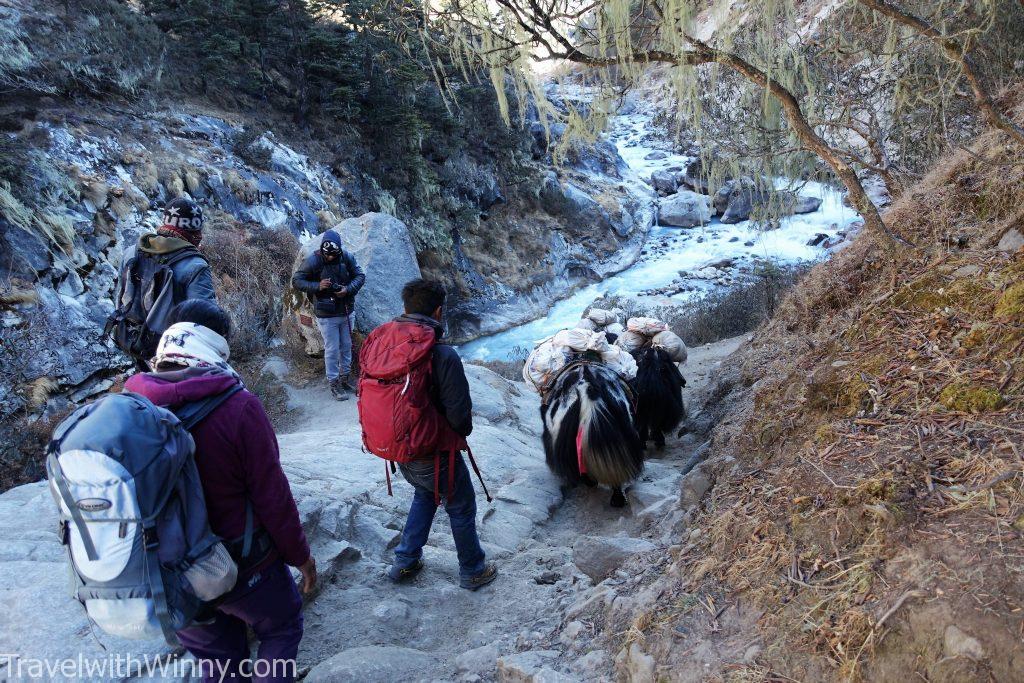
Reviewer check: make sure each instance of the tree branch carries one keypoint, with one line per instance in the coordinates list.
(955, 53)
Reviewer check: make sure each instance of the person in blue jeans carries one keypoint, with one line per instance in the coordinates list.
(331, 278)
(424, 301)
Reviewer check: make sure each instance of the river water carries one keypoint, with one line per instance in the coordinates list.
(687, 250)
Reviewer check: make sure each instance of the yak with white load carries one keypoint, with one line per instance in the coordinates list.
(658, 383)
(587, 409)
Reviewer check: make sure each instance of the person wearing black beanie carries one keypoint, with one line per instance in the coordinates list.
(174, 247)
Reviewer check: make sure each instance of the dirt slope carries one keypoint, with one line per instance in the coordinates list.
(867, 517)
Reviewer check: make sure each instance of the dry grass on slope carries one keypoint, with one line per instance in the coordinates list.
(871, 524)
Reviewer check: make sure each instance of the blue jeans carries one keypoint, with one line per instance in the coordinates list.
(337, 346)
(461, 508)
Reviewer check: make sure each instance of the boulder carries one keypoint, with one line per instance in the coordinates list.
(599, 556)
(817, 239)
(958, 643)
(570, 202)
(383, 248)
(372, 664)
(664, 182)
(695, 484)
(480, 661)
(532, 666)
(635, 665)
(684, 209)
(795, 203)
(736, 199)
(1011, 241)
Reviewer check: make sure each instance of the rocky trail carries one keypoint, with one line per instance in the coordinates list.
(553, 548)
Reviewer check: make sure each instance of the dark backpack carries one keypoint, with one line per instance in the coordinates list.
(144, 302)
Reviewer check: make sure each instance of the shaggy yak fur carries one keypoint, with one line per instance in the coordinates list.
(589, 425)
(659, 396)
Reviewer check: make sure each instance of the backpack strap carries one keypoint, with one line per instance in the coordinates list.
(57, 478)
(156, 584)
(191, 414)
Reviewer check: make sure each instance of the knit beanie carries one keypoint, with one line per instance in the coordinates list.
(184, 214)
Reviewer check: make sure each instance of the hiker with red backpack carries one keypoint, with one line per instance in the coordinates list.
(416, 411)
(161, 271)
(248, 499)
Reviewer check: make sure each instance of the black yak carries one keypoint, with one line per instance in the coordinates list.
(589, 430)
(659, 395)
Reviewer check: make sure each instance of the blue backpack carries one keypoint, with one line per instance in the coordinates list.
(144, 562)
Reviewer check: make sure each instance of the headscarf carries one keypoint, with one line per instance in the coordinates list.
(194, 346)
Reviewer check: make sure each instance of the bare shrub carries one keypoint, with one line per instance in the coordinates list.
(727, 313)
(23, 453)
(719, 314)
(511, 368)
(251, 149)
(252, 267)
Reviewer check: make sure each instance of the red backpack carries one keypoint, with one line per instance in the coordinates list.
(399, 420)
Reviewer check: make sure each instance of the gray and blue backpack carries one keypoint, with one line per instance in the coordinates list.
(143, 559)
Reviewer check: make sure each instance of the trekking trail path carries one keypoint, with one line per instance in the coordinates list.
(362, 625)
(525, 626)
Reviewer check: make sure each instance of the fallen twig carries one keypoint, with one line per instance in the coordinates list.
(899, 603)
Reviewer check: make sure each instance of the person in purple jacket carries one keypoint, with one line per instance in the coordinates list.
(240, 469)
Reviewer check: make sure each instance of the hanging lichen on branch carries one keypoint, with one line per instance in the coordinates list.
(797, 110)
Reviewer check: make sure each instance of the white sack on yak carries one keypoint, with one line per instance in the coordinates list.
(602, 317)
(646, 326)
(672, 345)
(554, 353)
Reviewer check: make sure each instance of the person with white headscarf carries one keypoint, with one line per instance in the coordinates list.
(239, 466)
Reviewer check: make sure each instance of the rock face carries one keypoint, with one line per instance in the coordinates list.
(684, 210)
(571, 203)
(114, 185)
(383, 248)
(599, 556)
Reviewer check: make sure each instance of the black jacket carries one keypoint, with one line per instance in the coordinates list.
(345, 272)
(450, 388)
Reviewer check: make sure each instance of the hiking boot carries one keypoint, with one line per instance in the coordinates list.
(490, 573)
(403, 574)
(337, 391)
(344, 383)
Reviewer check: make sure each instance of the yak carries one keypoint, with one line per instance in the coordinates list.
(659, 395)
(589, 428)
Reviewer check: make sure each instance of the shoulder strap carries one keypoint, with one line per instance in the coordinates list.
(191, 414)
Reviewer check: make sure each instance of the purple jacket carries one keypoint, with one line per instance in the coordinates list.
(237, 458)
